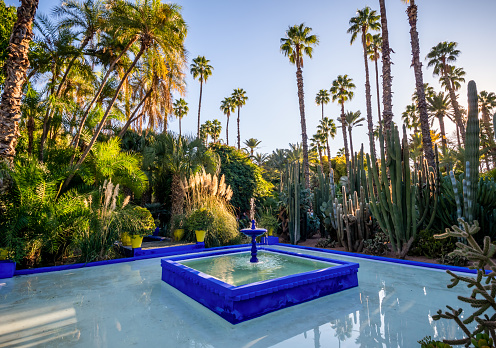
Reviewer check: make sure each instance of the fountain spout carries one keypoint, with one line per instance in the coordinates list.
(253, 232)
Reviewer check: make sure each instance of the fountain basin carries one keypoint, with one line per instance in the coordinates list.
(244, 302)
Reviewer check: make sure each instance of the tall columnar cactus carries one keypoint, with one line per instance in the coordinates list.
(357, 175)
(428, 182)
(320, 195)
(394, 202)
(467, 199)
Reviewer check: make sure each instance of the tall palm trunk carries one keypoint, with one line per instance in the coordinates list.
(239, 138)
(320, 154)
(180, 132)
(368, 96)
(75, 140)
(227, 129)
(16, 65)
(199, 107)
(306, 166)
(443, 133)
(488, 128)
(419, 84)
(377, 88)
(328, 155)
(322, 118)
(454, 103)
(387, 79)
(458, 136)
(46, 121)
(177, 196)
(85, 42)
(132, 118)
(351, 144)
(345, 137)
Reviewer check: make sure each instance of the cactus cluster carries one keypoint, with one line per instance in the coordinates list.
(393, 202)
(357, 176)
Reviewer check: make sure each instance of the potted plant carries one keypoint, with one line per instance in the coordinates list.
(200, 221)
(138, 222)
(7, 266)
(178, 226)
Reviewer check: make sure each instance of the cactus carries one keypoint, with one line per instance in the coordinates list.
(296, 199)
(394, 203)
(354, 221)
(357, 175)
(324, 192)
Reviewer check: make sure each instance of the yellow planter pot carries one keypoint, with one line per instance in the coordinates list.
(178, 234)
(270, 231)
(3, 254)
(136, 241)
(126, 239)
(200, 236)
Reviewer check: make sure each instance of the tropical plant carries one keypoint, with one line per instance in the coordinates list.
(227, 106)
(180, 110)
(365, 20)
(298, 43)
(487, 102)
(341, 91)
(322, 98)
(215, 129)
(327, 128)
(202, 70)
(239, 99)
(410, 117)
(419, 83)
(252, 144)
(8, 14)
(353, 119)
(440, 58)
(439, 107)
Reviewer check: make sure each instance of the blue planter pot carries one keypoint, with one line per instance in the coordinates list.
(7, 268)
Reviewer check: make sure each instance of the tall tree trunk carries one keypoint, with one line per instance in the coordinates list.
(443, 133)
(239, 138)
(199, 107)
(105, 116)
(387, 79)
(16, 65)
(419, 84)
(345, 137)
(377, 88)
(368, 96)
(306, 166)
(322, 111)
(177, 196)
(46, 121)
(227, 129)
(351, 144)
(328, 154)
(320, 155)
(180, 127)
(75, 140)
(132, 118)
(458, 136)
(456, 107)
(30, 127)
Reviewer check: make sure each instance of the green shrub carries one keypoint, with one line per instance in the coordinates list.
(200, 220)
(426, 245)
(378, 245)
(427, 342)
(268, 221)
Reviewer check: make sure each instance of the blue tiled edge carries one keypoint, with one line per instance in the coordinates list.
(386, 259)
(240, 303)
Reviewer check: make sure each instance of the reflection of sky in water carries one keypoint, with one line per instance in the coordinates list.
(127, 304)
(236, 269)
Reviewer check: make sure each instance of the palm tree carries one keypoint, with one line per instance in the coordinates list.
(365, 20)
(374, 52)
(322, 98)
(487, 102)
(86, 18)
(327, 127)
(387, 78)
(227, 106)
(215, 129)
(16, 65)
(439, 57)
(179, 156)
(239, 99)
(202, 70)
(298, 43)
(419, 83)
(180, 110)
(341, 91)
(260, 159)
(316, 143)
(353, 119)
(252, 144)
(439, 107)
(410, 117)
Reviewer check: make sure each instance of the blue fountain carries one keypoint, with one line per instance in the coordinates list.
(253, 232)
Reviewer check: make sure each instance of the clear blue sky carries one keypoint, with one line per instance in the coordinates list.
(241, 39)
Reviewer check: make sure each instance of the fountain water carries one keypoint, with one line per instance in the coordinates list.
(253, 232)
